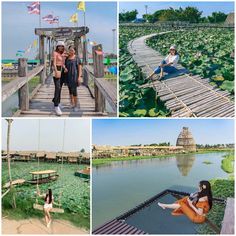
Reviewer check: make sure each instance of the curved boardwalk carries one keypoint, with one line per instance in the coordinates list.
(183, 94)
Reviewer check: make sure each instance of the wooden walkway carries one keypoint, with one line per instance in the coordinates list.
(228, 221)
(41, 103)
(183, 94)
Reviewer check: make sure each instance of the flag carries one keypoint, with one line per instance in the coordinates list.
(34, 8)
(55, 20)
(35, 43)
(28, 49)
(81, 6)
(74, 18)
(48, 18)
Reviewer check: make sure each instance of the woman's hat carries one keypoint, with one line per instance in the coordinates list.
(60, 43)
(173, 47)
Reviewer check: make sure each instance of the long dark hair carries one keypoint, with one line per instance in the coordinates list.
(49, 194)
(57, 50)
(205, 187)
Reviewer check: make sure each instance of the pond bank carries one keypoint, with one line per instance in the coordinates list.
(102, 161)
(37, 226)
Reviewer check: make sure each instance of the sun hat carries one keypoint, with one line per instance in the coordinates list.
(60, 43)
(173, 47)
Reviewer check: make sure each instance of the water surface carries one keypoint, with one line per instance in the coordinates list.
(121, 185)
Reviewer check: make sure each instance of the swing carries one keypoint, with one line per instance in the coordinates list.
(36, 205)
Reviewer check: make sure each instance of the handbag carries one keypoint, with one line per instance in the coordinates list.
(58, 72)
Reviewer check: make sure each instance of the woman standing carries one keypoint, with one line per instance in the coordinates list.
(196, 206)
(167, 65)
(58, 71)
(74, 71)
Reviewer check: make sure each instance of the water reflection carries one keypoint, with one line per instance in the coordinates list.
(185, 163)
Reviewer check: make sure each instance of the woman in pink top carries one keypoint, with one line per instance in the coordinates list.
(58, 70)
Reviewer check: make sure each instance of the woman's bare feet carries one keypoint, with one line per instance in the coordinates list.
(161, 205)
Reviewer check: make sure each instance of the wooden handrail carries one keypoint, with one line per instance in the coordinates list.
(13, 86)
(102, 86)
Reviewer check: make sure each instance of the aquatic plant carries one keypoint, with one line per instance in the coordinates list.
(72, 192)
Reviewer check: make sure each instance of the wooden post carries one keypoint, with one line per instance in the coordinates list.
(85, 78)
(98, 68)
(9, 121)
(99, 100)
(42, 59)
(23, 92)
(85, 57)
(98, 65)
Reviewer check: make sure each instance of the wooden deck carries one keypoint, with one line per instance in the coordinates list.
(183, 94)
(228, 221)
(41, 103)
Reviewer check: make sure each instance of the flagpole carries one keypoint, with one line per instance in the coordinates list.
(40, 15)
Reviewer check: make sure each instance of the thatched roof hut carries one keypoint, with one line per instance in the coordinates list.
(186, 140)
(230, 19)
(51, 156)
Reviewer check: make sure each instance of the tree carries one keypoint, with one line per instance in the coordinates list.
(191, 14)
(217, 17)
(128, 16)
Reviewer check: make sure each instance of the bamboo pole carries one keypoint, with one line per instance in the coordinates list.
(8, 158)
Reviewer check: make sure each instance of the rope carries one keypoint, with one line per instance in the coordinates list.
(63, 145)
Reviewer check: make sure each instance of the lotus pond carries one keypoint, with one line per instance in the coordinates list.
(135, 101)
(207, 52)
(72, 192)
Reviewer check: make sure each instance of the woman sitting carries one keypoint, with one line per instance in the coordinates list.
(196, 206)
(168, 65)
(48, 204)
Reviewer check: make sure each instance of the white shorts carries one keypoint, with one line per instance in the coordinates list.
(46, 205)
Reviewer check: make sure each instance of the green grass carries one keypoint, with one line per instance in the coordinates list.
(208, 150)
(227, 164)
(102, 161)
(207, 162)
(110, 76)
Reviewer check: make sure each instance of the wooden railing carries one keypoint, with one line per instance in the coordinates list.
(103, 90)
(21, 83)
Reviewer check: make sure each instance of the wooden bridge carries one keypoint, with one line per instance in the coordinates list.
(96, 95)
(184, 95)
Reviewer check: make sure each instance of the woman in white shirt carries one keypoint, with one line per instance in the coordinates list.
(48, 205)
(168, 65)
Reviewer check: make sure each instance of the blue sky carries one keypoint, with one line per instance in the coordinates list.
(146, 131)
(206, 7)
(18, 26)
(24, 134)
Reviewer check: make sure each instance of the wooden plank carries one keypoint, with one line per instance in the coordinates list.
(228, 220)
(183, 94)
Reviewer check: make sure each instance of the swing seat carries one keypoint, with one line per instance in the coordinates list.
(54, 210)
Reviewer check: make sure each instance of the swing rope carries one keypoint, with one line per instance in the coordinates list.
(38, 190)
(63, 145)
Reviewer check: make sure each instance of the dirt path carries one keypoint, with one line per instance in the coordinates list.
(37, 226)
